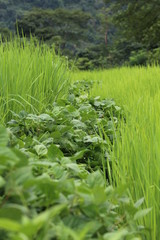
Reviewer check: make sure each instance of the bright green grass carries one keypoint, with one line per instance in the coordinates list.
(136, 155)
(31, 77)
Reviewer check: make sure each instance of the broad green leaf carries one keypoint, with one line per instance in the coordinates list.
(97, 103)
(44, 164)
(63, 128)
(55, 168)
(78, 124)
(32, 117)
(9, 225)
(118, 235)
(87, 228)
(67, 233)
(46, 185)
(139, 202)
(45, 117)
(117, 108)
(93, 139)
(48, 141)
(20, 176)
(78, 155)
(56, 135)
(54, 152)
(23, 114)
(23, 157)
(75, 221)
(86, 194)
(20, 236)
(13, 212)
(142, 213)
(48, 214)
(7, 156)
(67, 186)
(41, 150)
(31, 227)
(2, 182)
(99, 195)
(73, 166)
(95, 179)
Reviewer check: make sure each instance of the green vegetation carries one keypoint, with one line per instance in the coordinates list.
(32, 77)
(66, 29)
(94, 34)
(76, 28)
(70, 31)
(43, 192)
(56, 155)
(55, 173)
(136, 154)
(10, 10)
(74, 124)
(126, 15)
(79, 150)
(137, 31)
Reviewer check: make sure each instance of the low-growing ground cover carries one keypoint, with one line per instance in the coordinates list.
(54, 178)
(136, 155)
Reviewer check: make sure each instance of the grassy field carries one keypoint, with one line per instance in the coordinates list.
(52, 156)
(136, 155)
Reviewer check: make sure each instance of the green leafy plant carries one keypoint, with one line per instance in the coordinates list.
(79, 123)
(49, 180)
(42, 196)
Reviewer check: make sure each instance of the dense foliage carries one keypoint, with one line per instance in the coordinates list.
(108, 38)
(144, 15)
(135, 156)
(32, 76)
(66, 29)
(78, 123)
(48, 178)
(76, 27)
(138, 30)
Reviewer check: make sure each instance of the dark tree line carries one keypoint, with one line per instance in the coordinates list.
(137, 34)
(73, 27)
(98, 34)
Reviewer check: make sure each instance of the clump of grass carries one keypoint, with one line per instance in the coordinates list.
(31, 77)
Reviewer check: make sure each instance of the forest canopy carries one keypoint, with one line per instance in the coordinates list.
(93, 34)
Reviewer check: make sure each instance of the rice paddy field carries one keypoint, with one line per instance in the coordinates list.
(31, 79)
(27, 72)
(136, 155)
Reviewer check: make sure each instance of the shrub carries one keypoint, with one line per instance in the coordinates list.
(138, 58)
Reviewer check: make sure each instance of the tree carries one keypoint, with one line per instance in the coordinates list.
(138, 21)
(5, 34)
(61, 26)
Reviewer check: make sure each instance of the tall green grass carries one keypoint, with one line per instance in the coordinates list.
(136, 153)
(31, 77)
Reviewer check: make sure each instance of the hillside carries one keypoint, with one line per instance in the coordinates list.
(10, 10)
(63, 27)
(78, 29)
